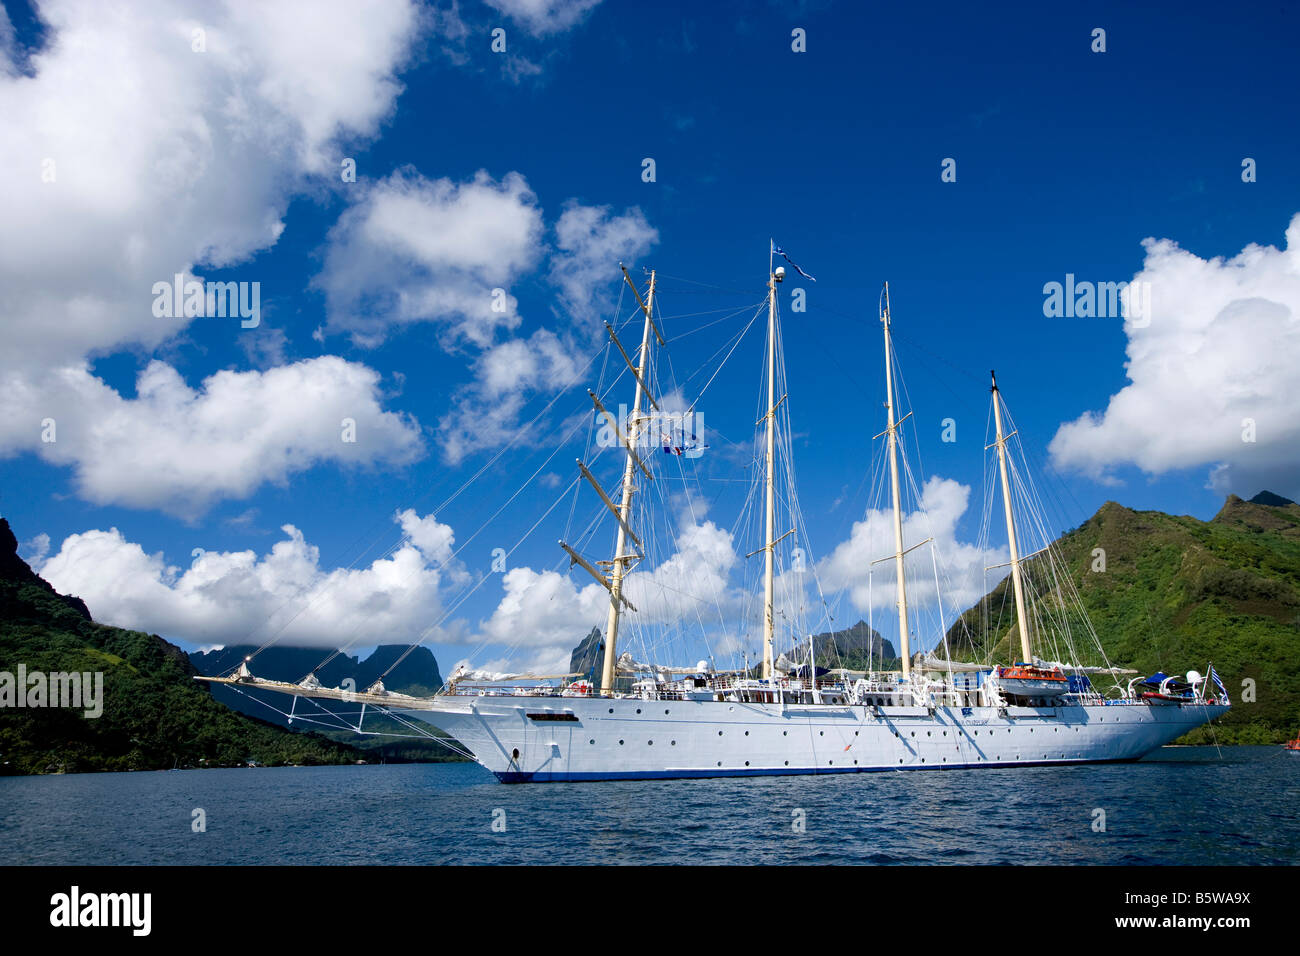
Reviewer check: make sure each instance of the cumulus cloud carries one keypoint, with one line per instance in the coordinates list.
(544, 614)
(180, 449)
(238, 597)
(591, 240)
(486, 413)
(163, 140)
(961, 564)
(412, 249)
(159, 158)
(1219, 352)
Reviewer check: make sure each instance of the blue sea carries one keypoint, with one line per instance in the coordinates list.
(1182, 806)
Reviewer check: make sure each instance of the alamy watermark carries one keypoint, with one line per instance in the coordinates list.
(36, 689)
(132, 911)
(213, 300)
(1103, 300)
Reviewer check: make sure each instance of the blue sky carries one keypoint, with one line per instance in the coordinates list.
(1066, 160)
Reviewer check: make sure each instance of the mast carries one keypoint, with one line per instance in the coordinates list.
(898, 513)
(770, 547)
(620, 561)
(1022, 621)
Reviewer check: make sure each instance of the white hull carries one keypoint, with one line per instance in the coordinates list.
(631, 738)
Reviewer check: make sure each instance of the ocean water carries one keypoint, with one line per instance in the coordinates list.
(1182, 806)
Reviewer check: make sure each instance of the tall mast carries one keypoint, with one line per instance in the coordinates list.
(770, 546)
(1022, 621)
(621, 559)
(898, 512)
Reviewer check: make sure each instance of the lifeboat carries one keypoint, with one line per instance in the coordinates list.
(1029, 680)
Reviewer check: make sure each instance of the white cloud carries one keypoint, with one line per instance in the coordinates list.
(8, 44)
(486, 413)
(180, 449)
(36, 549)
(157, 159)
(163, 158)
(412, 249)
(592, 242)
(238, 597)
(544, 614)
(1222, 346)
(542, 17)
(961, 565)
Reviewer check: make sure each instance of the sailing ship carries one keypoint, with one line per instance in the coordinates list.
(647, 721)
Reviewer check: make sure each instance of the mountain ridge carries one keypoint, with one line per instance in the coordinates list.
(1178, 593)
(154, 714)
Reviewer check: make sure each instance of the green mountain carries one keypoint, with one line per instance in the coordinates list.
(1177, 593)
(155, 716)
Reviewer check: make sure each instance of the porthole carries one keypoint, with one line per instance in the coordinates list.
(746, 763)
(672, 743)
(649, 743)
(719, 733)
(665, 712)
(719, 763)
(821, 733)
(787, 763)
(638, 710)
(611, 710)
(620, 743)
(592, 740)
(747, 733)
(785, 733)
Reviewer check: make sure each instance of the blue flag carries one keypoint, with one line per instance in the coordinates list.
(781, 252)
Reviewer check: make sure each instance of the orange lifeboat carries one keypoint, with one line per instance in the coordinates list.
(1029, 680)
